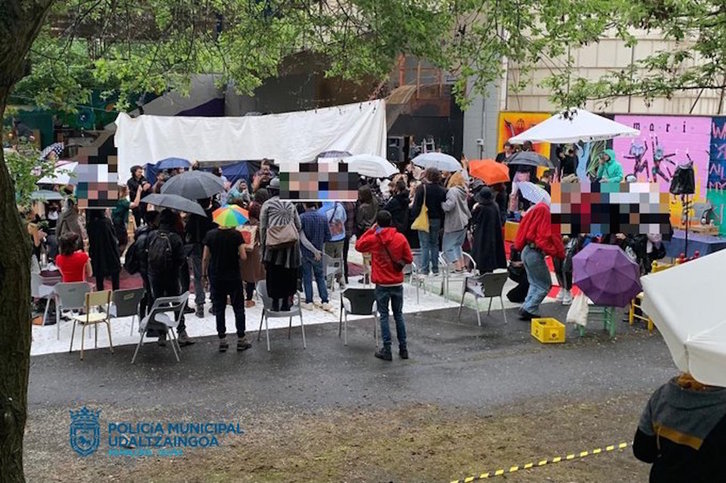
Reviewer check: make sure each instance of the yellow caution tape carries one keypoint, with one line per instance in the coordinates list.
(557, 459)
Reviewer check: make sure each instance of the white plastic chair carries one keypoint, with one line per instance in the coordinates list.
(489, 285)
(447, 270)
(268, 313)
(332, 267)
(159, 320)
(69, 296)
(40, 291)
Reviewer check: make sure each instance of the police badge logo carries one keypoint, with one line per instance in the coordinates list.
(85, 431)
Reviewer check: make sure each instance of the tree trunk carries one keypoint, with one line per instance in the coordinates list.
(20, 22)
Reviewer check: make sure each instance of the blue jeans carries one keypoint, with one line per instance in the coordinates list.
(538, 275)
(395, 295)
(452, 244)
(430, 246)
(312, 268)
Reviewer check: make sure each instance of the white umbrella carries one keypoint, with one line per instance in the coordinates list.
(63, 174)
(371, 165)
(442, 161)
(573, 126)
(684, 303)
(533, 193)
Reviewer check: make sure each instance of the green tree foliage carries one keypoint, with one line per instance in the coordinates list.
(26, 168)
(133, 47)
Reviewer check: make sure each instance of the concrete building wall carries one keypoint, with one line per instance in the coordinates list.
(594, 61)
(480, 126)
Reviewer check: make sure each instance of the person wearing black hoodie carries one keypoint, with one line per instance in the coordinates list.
(195, 230)
(103, 248)
(397, 206)
(682, 432)
(164, 270)
(488, 247)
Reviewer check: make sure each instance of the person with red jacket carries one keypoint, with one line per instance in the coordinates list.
(390, 252)
(535, 240)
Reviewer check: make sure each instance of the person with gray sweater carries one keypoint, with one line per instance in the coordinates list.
(456, 220)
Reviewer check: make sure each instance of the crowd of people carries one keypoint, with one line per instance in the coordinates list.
(288, 244)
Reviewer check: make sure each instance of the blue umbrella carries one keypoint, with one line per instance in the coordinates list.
(173, 163)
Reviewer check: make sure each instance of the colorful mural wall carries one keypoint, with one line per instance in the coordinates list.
(664, 143)
(513, 123)
(717, 170)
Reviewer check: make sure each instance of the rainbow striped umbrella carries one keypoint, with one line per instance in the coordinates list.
(230, 216)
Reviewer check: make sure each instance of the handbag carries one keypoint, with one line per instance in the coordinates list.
(281, 236)
(683, 182)
(421, 223)
(249, 235)
(578, 311)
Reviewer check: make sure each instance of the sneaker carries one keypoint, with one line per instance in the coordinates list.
(560, 295)
(199, 311)
(188, 310)
(327, 307)
(384, 354)
(223, 345)
(403, 353)
(184, 339)
(567, 298)
(307, 305)
(318, 305)
(249, 303)
(243, 344)
(162, 339)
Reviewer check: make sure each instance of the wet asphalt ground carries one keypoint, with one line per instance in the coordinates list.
(453, 363)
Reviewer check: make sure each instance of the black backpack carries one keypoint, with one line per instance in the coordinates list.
(159, 251)
(136, 254)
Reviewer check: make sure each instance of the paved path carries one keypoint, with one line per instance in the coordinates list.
(452, 363)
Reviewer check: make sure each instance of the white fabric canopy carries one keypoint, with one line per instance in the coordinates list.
(289, 138)
(582, 126)
(686, 304)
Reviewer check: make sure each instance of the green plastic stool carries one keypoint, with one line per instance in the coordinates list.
(606, 314)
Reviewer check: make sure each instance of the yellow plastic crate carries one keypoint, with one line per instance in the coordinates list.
(548, 330)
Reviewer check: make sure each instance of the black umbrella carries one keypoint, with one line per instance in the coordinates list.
(175, 202)
(529, 158)
(193, 185)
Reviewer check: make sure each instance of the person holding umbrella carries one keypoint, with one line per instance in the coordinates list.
(224, 253)
(535, 240)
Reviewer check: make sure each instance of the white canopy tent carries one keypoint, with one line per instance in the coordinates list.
(289, 138)
(574, 126)
(685, 304)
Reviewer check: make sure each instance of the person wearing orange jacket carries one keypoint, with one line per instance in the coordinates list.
(535, 240)
(390, 253)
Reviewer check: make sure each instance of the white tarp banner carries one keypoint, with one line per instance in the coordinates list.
(288, 138)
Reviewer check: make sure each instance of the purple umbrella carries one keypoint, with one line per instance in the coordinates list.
(606, 275)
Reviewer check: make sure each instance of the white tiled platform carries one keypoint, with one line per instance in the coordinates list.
(45, 341)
